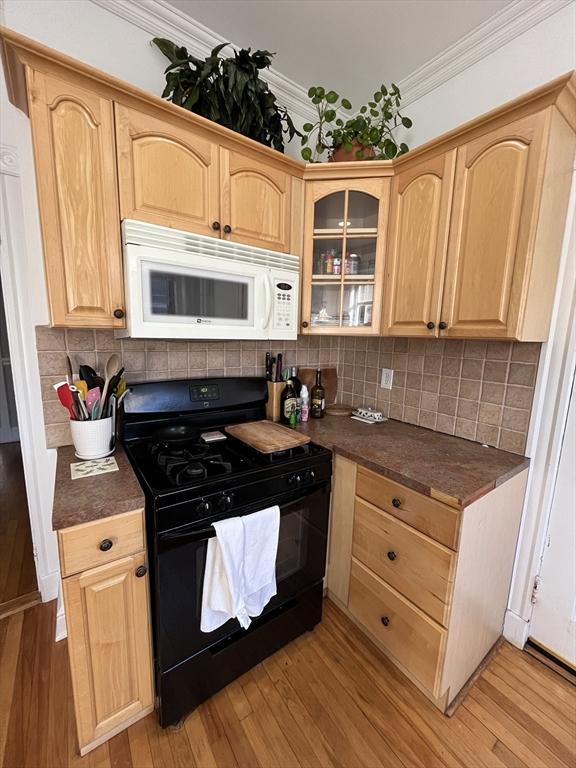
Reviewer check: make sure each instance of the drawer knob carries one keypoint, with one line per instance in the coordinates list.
(141, 571)
(385, 620)
(106, 545)
(442, 325)
(118, 313)
(391, 555)
(396, 502)
(430, 325)
(227, 229)
(305, 324)
(215, 226)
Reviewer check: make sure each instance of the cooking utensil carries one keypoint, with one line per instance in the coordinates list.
(113, 409)
(66, 398)
(82, 387)
(79, 403)
(111, 367)
(113, 387)
(268, 366)
(70, 369)
(89, 375)
(279, 367)
(92, 398)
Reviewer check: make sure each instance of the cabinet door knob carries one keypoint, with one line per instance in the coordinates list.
(215, 226)
(305, 324)
(442, 325)
(118, 313)
(391, 555)
(430, 325)
(141, 571)
(396, 503)
(106, 545)
(385, 620)
(227, 229)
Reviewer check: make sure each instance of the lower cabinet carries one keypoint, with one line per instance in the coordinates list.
(108, 620)
(427, 582)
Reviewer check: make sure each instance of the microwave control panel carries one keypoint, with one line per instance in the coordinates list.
(285, 300)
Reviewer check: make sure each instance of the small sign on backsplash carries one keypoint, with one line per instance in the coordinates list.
(93, 467)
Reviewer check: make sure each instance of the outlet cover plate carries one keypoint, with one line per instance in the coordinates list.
(387, 378)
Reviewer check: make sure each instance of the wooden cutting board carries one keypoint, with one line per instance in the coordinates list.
(329, 381)
(267, 437)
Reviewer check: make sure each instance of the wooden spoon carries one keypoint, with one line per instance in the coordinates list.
(112, 365)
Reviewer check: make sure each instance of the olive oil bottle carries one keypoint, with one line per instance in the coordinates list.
(317, 397)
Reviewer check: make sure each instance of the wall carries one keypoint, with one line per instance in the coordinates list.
(544, 52)
(477, 390)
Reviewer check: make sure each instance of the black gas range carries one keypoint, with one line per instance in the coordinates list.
(194, 474)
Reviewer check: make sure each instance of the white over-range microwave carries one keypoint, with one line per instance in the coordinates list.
(186, 286)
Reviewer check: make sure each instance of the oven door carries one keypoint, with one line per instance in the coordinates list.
(179, 574)
(190, 295)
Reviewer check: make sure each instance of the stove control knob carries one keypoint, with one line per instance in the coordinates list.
(203, 507)
(294, 480)
(310, 476)
(225, 502)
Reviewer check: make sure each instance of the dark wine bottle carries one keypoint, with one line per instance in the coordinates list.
(317, 397)
(288, 404)
(295, 380)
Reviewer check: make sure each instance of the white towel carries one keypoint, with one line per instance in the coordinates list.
(240, 573)
(261, 531)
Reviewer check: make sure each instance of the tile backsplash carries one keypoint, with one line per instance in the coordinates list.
(474, 389)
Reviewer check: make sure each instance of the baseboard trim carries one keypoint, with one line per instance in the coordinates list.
(20, 603)
(516, 629)
(61, 628)
(49, 586)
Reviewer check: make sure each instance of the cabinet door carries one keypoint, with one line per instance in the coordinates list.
(255, 201)
(345, 232)
(168, 174)
(73, 132)
(417, 243)
(494, 212)
(109, 646)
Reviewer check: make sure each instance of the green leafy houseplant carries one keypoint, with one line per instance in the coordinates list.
(369, 135)
(228, 91)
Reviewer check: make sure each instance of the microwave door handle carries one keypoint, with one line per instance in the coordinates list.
(268, 298)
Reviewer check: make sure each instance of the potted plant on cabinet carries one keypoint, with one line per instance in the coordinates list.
(368, 135)
(228, 91)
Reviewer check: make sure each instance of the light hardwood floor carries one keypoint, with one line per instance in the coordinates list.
(328, 699)
(17, 571)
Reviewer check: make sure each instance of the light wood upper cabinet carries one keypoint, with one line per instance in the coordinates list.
(345, 224)
(255, 201)
(418, 238)
(510, 199)
(73, 134)
(168, 175)
(107, 616)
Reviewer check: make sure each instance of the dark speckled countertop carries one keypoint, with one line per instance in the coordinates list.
(448, 468)
(96, 497)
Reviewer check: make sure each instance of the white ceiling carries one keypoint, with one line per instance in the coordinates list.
(351, 46)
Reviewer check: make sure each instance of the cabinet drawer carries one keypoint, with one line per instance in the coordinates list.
(427, 515)
(412, 638)
(419, 568)
(80, 546)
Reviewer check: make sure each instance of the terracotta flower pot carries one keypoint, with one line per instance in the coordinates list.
(341, 155)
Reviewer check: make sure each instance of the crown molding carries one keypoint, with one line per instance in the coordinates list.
(505, 25)
(160, 19)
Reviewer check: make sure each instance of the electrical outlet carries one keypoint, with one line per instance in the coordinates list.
(387, 377)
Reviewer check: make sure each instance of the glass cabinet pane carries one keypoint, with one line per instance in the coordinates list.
(329, 212)
(362, 210)
(357, 308)
(325, 305)
(327, 257)
(360, 257)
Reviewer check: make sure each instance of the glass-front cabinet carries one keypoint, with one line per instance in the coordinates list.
(345, 235)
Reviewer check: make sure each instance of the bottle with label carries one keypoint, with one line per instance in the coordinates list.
(318, 397)
(288, 402)
(337, 265)
(304, 403)
(297, 384)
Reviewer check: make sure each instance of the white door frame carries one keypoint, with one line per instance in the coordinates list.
(39, 463)
(549, 414)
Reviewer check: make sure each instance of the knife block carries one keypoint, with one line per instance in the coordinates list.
(275, 389)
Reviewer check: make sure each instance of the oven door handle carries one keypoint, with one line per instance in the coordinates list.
(208, 533)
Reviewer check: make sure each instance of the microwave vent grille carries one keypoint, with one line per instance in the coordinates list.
(164, 238)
